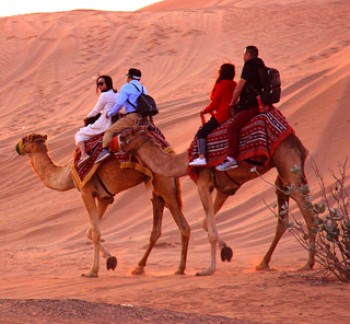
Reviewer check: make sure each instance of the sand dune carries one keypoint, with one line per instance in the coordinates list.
(48, 63)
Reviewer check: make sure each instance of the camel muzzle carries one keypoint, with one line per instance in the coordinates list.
(19, 148)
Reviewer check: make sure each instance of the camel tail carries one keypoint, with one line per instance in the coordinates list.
(304, 152)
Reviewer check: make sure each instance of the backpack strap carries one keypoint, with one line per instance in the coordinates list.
(261, 72)
(138, 88)
(138, 91)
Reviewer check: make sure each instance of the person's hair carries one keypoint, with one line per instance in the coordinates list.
(252, 50)
(134, 74)
(226, 72)
(109, 83)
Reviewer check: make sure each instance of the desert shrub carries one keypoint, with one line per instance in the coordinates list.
(332, 224)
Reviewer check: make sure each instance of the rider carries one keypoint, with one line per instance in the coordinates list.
(220, 96)
(244, 103)
(106, 100)
(127, 97)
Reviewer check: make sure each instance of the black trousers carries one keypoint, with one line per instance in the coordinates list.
(207, 128)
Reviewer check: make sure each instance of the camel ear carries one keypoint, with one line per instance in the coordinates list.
(45, 137)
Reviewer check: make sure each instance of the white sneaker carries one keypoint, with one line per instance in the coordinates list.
(198, 162)
(229, 163)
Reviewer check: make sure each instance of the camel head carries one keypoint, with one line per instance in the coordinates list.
(32, 143)
(132, 139)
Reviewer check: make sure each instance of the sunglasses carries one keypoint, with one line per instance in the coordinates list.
(100, 83)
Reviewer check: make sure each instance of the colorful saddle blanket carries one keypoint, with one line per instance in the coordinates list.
(258, 139)
(83, 173)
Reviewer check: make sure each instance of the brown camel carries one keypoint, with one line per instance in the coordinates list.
(290, 155)
(98, 193)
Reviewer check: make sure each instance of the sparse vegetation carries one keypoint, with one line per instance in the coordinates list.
(332, 224)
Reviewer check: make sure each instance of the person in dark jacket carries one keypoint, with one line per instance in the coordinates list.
(244, 102)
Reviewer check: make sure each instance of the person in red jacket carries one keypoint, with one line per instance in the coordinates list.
(221, 97)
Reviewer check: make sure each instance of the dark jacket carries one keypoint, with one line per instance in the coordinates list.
(250, 74)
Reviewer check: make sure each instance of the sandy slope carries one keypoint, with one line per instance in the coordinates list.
(48, 63)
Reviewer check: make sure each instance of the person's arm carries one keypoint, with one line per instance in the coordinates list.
(98, 107)
(120, 102)
(238, 91)
(215, 100)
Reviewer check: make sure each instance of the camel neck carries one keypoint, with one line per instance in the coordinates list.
(168, 164)
(57, 177)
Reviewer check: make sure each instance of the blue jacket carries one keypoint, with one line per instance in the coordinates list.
(127, 92)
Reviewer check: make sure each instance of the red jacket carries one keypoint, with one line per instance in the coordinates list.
(221, 97)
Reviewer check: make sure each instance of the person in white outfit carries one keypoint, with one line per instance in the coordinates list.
(105, 102)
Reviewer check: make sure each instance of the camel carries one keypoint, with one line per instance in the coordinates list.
(108, 180)
(289, 154)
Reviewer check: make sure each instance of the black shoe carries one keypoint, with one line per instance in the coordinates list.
(228, 164)
(104, 154)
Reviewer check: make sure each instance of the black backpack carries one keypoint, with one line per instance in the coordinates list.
(145, 104)
(271, 85)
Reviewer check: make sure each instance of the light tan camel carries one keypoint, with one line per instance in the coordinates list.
(98, 193)
(289, 154)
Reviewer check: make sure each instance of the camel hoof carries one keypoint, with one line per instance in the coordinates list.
(226, 254)
(262, 267)
(180, 272)
(111, 263)
(205, 273)
(138, 271)
(307, 267)
(202, 274)
(89, 275)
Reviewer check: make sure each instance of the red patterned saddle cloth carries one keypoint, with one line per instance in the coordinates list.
(93, 146)
(258, 139)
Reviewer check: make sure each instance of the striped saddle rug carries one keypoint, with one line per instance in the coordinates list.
(258, 139)
(83, 173)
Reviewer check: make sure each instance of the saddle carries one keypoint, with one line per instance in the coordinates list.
(258, 139)
(83, 173)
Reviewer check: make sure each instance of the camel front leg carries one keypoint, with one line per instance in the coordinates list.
(111, 261)
(158, 209)
(226, 251)
(205, 194)
(219, 201)
(90, 205)
(282, 225)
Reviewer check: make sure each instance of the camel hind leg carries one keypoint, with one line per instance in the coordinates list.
(282, 224)
(169, 189)
(158, 209)
(304, 203)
